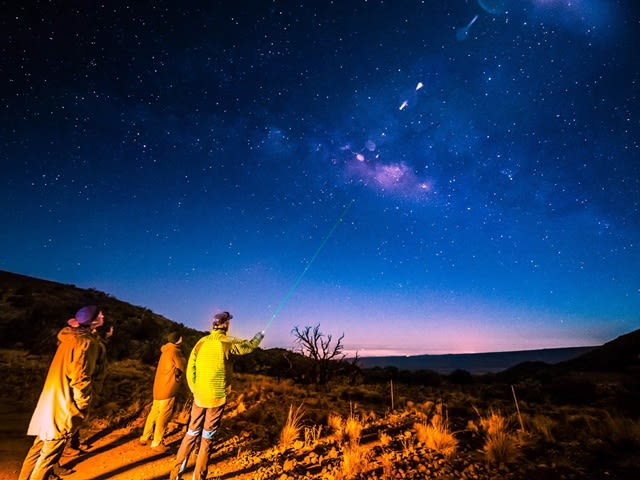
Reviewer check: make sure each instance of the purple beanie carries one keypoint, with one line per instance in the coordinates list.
(86, 315)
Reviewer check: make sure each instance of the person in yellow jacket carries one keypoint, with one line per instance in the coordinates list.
(169, 373)
(67, 393)
(207, 379)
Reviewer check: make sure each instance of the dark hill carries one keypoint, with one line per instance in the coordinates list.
(33, 310)
(620, 354)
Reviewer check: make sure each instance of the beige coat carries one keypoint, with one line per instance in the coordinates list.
(68, 389)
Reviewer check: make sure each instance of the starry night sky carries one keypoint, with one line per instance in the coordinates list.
(422, 176)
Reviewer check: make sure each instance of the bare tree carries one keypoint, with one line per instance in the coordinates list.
(316, 345)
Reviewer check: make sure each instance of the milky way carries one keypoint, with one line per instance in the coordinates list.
(192, 158)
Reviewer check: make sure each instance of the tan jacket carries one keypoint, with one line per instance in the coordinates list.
(68, 389)
(169, 372)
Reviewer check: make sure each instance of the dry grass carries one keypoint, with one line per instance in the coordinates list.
(494, 423)
(542, 426)
(353, 429)
(355, 460)
(384, 438)
(291, 431)
(371, 442)
(336, 424)
(312, 435)
(501, 446)
(355, 457)
(620, 432)
(407, 442)
(349, 429)
(435, 435)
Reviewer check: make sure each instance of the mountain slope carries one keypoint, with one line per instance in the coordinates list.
(33, 310)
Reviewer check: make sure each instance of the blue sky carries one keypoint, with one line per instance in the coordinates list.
(399, 172)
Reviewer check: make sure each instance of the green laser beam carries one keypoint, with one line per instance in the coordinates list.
(295, 284)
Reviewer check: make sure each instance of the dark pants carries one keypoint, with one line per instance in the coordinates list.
(203, 425)
(41, 458)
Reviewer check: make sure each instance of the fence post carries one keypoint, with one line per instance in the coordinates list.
(391, 388)
(513, 390)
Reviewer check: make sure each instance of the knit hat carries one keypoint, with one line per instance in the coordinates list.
(221, 320)
(174, 337)
(85, 316)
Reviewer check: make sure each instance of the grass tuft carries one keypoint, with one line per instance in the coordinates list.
(336, 424)
(501, 446)
(353, 429)
(292, 427)
(355, 459)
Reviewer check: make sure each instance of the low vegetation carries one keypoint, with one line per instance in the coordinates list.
(285, 420)
(279, 429)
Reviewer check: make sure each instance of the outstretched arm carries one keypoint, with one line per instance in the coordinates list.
(242, 347)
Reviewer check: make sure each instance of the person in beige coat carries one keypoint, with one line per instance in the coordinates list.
(67, 393)
(169, 373)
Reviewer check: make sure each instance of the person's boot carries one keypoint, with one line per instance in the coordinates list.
(61, 471)
(175, 473)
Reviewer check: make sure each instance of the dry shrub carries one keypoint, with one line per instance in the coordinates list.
(541, 425)
(355, 459)
(291, 430)
(259, 388)
(406, 440)
(361, 394)
(494, 423)
(16, 365)
(500, 445)
(312, 435)
(501, 448)
(336, 423)
(385, 438)
(353, 429)
(436, 436)
(620, 432)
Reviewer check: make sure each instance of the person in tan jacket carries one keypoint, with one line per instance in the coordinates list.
(169, 373)
(67, 393)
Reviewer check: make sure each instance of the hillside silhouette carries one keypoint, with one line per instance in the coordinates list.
(32, 311)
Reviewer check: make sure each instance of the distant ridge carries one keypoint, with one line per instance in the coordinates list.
(476, 363)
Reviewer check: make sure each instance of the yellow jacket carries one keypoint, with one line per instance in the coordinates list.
(68, 389)
(206, 369)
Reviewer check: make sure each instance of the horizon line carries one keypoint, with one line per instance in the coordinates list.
(380, 353)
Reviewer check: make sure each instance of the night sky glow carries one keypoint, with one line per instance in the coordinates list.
(424, 176)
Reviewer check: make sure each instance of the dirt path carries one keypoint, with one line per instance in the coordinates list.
(117, 455)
